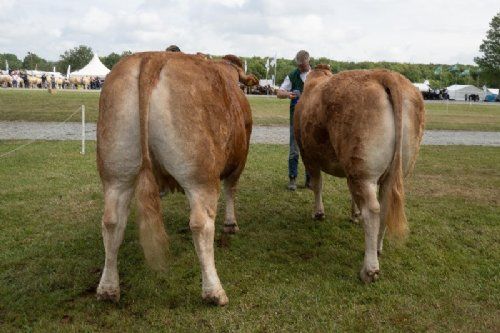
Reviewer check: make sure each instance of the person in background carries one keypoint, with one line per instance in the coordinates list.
(291, 88)
(173, 48)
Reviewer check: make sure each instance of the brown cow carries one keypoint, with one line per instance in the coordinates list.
(365, 126)
(179, 120)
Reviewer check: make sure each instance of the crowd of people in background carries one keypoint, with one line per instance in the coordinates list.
(26, 79)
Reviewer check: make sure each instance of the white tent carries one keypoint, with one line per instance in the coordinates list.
(458, 91)
(492, 91)
(94, 68)
(422, 87)
(264, 83)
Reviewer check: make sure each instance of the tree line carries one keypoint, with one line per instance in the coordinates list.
(487, 71)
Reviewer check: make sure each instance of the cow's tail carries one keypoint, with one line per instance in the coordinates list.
(152, 235)
(392, 194)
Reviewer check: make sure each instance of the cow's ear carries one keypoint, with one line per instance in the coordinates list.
(234, 60)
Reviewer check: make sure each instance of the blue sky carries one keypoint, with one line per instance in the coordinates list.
(437, 31)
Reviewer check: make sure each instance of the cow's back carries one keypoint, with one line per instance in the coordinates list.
(356, 117)
(199, 120)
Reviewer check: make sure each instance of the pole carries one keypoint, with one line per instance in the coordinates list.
(275, 66)
(83, 130)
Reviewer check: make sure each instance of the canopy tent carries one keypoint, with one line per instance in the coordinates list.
(492, 91)
(491, 94)
(94, 68)
(459, 91)
(422, 87)
(264, 83)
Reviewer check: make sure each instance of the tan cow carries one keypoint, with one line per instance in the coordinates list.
(59, 82)
(181, 121)
(34, 81)
(365, 126)
(5, 80)
(74, 81)
(86, 82)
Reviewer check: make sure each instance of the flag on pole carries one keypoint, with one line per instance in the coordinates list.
(6, 65)
(67, 72)
(273, 61)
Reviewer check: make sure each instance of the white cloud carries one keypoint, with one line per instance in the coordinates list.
(228, 3)
(446, 31)
(94, 21)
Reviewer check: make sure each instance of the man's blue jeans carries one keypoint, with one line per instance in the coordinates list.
(293, 156)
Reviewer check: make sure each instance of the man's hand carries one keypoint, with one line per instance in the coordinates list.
(285, 94)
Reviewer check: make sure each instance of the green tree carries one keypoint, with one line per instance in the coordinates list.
(32, 61)
(112, 59)
(256, 66)
(283, 68)
(14, 62)
(489, 63)
(77, 57)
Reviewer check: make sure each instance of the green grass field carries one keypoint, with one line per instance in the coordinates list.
(283, 272)
(39, 105)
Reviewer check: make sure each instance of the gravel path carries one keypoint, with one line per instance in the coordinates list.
(260, 134)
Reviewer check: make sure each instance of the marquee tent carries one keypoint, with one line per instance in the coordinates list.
(94, 68)
(423, 87)
(458, 91)
(491, 91)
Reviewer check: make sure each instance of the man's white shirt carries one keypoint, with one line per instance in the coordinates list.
(287, 84)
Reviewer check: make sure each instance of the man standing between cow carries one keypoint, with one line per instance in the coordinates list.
(291, 88)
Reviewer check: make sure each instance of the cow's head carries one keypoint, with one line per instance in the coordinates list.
(248, 80)
(321, 72)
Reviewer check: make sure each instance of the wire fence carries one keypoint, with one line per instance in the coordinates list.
(80, 109)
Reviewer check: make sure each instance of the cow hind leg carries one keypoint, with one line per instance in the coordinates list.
(203, 203)
(355, 212)
(383, 213)
(116, 208)
(230, 183)
(317, 187)
(365, 196)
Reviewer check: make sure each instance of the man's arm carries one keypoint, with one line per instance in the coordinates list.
(284, 90)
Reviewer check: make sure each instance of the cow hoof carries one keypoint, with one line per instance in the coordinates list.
(108, 293)
(318, 216)
(231, 228)
(215, 297)
(369, 276)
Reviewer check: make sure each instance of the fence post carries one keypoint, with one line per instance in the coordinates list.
(83, 130)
